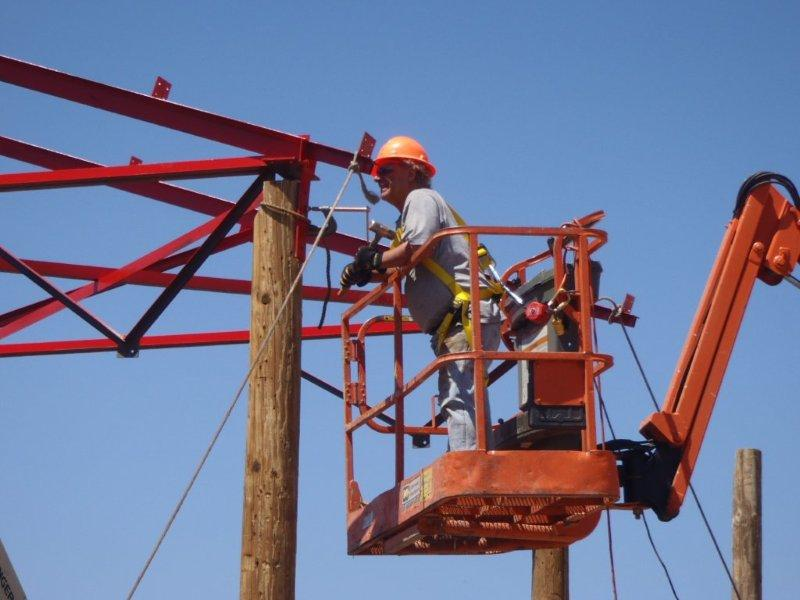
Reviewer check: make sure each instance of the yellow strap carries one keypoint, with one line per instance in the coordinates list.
(398, 237)
(459, 221)
(461, 297)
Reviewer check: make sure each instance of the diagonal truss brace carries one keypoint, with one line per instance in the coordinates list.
(60, 296)
(251, 196)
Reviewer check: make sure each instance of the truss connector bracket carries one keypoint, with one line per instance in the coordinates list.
(130, 354)
(127, 352)
(161, 89)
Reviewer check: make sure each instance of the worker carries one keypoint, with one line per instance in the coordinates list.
(437, 291)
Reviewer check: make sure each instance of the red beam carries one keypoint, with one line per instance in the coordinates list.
(146, 277)
(337, 242)
(163, 192)
(184, 340)
(192, 169)
(169, 114)
(154, 278)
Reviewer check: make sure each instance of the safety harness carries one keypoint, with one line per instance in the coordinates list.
(461, 297)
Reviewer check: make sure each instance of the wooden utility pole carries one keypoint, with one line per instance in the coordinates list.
(269, 522)
(550, 580)
(747, 525)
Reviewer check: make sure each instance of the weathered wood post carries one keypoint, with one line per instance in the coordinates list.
(550, 577)
(269, 521)
(747, 525)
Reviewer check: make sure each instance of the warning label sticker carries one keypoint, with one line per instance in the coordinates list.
(418, 489)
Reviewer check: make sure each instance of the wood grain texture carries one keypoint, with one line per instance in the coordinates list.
(550, 579)
(747, 525)
(269, 521)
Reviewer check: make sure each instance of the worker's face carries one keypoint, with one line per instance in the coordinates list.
(395, 180)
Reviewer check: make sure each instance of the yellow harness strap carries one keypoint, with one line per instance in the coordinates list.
(461, 297)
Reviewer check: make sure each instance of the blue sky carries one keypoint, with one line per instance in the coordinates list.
(534, 113)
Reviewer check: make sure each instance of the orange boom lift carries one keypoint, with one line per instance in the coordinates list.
(545, 479)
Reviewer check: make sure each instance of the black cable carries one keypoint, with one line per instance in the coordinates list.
(761, 178)
(611, 555)
(694, 494)
(328, 293)
(658, 556)
(714, 539)
(338, 393)
(639, 364)
(604, 418)
(604, 410)
(598, 387)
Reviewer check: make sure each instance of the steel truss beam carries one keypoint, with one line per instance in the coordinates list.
(286, 154)
(163, 192)
(193, 169)
(185, 340)
(117, 277)
(169, 114)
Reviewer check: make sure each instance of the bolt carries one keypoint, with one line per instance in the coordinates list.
(758, 248)
(779, 260)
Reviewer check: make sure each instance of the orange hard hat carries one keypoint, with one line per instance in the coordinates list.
(403, 147)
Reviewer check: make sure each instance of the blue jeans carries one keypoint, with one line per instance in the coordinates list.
(457, 385)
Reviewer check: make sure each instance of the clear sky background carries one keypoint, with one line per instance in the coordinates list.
(534, 113)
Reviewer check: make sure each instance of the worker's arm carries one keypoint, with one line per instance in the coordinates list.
(398, 256)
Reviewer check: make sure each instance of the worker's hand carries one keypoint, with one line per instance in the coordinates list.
(354, 274)
(368, 257)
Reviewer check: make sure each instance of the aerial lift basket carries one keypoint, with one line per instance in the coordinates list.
(491, 500)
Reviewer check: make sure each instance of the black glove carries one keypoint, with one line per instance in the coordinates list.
(354, 274)
(368, 257)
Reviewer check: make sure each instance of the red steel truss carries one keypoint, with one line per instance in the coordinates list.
(276, 153)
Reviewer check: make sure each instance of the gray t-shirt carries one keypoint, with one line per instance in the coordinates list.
(425, 213)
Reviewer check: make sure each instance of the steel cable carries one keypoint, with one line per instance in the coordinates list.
(350, 170)
(611, 555)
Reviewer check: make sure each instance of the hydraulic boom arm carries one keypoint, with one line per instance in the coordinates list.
(762, 241)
